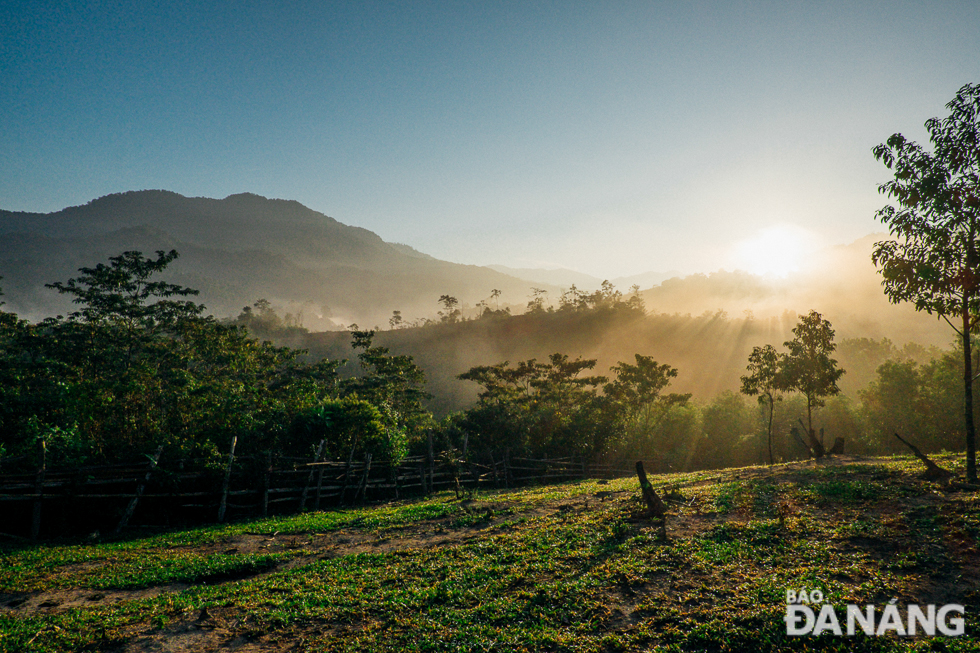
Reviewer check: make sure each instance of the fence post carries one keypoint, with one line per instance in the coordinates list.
(319, 488)
(350, 462)
(131, 508)
(309, 479)
(266, 483)
(38, 489)
(432, 469)
(362, 491)
(393, 470)
(474, 475)
(224, 486)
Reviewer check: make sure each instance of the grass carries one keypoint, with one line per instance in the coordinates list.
(560, 568)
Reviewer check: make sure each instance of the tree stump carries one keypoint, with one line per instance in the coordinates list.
(655, 506)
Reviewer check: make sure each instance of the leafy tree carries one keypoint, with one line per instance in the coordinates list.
(808, 367)
(553, 408)
(392, 383)
(893, 403)
(934, 261)
(637, 388)
(638, 409)
(729, 434)
(537, 408)
(536, 303)
(765, 381)
(451, 312)
(123, 294)
(101, 370)
(396, 320)
(570, 299)
(350, 426)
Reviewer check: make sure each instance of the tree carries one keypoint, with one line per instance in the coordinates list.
(536, 303)
(116, 353)
(452, 313)
(134, 368)
(123, 294)
(537, 408)
(764, 380)
(638, 386)
(396, 320)
(495, 295)
(394, 384)
(808, 367)
(933, 261)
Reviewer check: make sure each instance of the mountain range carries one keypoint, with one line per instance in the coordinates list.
(236, 251)
(328, 275)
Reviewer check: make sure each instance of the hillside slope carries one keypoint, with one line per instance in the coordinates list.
(235, 251)
(710, 351)
(575, 567)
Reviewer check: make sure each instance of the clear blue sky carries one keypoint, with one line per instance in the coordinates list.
(608, 137)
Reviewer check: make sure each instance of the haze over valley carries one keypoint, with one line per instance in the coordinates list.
(328, 275)
(324, 276)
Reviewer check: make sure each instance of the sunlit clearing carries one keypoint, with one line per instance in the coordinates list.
(774, 251)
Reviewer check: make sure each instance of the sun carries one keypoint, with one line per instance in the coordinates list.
(773, 251)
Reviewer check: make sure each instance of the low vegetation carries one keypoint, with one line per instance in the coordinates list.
(574, 567)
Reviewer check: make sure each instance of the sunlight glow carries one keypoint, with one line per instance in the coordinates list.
(773, 251)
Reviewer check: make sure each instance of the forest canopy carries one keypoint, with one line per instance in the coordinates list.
(139, 365)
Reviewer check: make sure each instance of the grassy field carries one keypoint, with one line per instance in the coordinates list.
(574, 567)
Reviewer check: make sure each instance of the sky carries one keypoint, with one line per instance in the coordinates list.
(607, 137)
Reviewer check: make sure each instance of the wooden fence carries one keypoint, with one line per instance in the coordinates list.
(161, 492)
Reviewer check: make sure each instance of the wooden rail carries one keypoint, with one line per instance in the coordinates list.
(181, 491)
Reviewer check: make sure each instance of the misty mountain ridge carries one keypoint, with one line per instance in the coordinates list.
(565, 278)
(236, 251)
(840, 282)
(328, 275)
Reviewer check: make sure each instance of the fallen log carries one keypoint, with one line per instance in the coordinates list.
(933, 471)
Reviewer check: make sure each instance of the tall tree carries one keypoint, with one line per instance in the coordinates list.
(452, 312)
(764, 380)
(808, 367)
(124, 294)
(933, 261)
(395, 385)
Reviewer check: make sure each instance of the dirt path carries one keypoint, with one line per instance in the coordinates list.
(309, 547)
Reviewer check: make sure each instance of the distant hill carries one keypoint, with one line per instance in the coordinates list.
(328, 275)
(235, 251)
(840, 282)
(564, 278)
